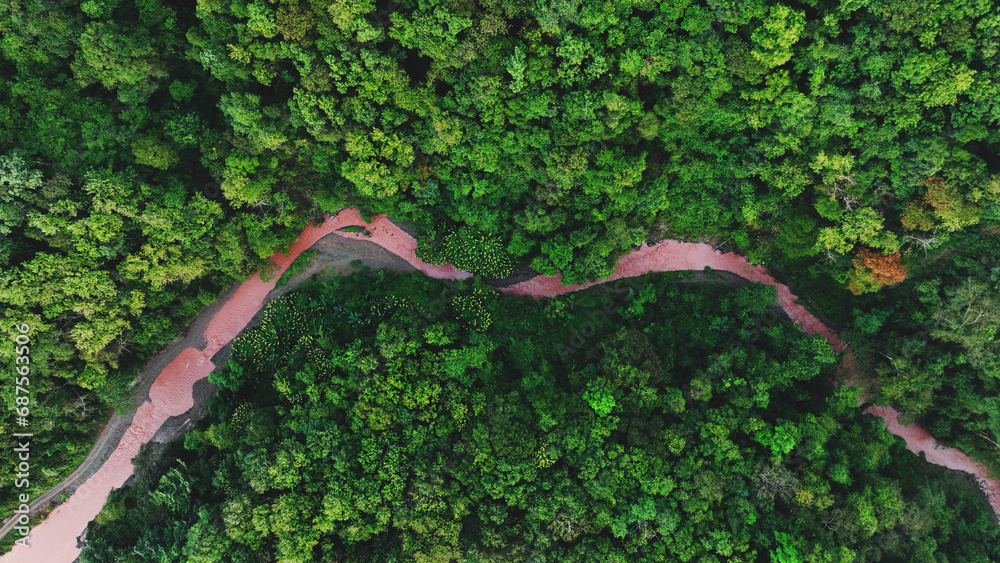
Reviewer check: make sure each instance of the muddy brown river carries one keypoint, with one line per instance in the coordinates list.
(55, 539)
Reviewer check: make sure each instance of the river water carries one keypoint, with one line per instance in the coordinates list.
(55, 539)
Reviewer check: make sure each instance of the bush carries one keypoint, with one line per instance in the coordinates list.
(472, 251)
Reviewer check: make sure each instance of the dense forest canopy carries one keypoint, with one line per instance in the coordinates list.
(153, 153)
(428, 422)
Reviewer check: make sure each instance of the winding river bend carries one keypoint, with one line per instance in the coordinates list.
(55, 540)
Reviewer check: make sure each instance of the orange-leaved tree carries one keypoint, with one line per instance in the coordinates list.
(874, 270)
(943, 208)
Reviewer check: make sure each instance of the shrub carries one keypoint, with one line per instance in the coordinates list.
(472, 251)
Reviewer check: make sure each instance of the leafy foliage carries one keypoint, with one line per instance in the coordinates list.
(411, 440)
(872, 270)
(151, 154)
(471, 251)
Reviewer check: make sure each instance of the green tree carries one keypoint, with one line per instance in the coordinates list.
(774, 38)
(152, 152)
(970, 317)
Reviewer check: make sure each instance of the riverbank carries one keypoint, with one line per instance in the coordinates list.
(170, 395)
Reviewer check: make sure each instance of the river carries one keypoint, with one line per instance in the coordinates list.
(55, 539)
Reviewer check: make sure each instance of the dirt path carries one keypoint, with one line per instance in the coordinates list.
(185, 363)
